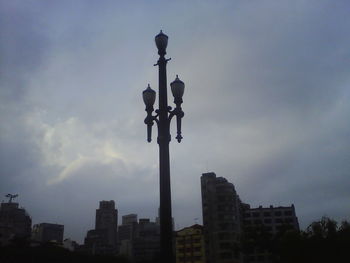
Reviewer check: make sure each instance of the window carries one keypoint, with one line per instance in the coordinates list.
(289, 220)
(257, 221)
(256, 214)
(267, 214)
(278, 220)
(287, 213)
(247, 215)
(267, 221)
(278, 213)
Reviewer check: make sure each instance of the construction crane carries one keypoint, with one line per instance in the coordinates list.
(11, 197)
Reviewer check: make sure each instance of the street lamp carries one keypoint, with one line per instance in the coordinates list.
(163, 117)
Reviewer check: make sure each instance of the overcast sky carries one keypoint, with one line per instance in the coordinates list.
(266, 105)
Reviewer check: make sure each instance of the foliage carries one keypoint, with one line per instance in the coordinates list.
(19, 252)
(322, 241)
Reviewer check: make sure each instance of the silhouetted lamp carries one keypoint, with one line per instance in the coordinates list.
(149, 97)
(177, 88)
(161, 42)
(162, 118)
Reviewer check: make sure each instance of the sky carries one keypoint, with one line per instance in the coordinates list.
(267, 89)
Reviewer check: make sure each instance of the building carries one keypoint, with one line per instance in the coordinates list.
(139, 241)
(14, 222)
(70, 244)
(263, 223)
(190, 245)
(146, 242)
(103, 239)
(221, 208)
(274, 219)
(107, 219)
(46, 232)
(126, 233)
(129, 219)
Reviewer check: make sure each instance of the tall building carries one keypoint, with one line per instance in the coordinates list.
(103, 239)
(107, 219)
(190, 245)
(221, 209)
(139, 241)
(146, 242)
(46, 232)
(126, 233)
(14, 222)
(265, 222)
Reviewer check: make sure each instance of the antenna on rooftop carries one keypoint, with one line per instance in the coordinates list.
(11, 196)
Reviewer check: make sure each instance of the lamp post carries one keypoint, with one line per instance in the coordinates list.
(163, 118)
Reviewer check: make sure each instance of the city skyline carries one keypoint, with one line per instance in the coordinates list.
(266, 106)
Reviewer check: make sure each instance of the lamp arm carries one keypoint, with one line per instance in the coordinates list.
(149, 120)
(179, 115)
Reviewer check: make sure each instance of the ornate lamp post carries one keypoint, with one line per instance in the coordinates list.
(163, 117)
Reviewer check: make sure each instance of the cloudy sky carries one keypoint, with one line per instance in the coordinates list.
(266, 105)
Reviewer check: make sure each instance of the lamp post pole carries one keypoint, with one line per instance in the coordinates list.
(163, 117)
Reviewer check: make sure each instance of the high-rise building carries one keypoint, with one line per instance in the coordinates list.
(221, 209)
(14, 222)
(139, 241)
(107, 219)
(46, 232)
(103, 239)
(190, 245)
(126, 233)
(146, 242)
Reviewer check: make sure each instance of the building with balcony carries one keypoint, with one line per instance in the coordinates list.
(190, 245)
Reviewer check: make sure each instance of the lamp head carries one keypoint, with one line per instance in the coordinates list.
(161, 43)
(177, 88)
(149, 97)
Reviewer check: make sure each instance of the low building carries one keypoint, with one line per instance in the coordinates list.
(261, 224)
(190, 245)
(275, 219)
(47, 232)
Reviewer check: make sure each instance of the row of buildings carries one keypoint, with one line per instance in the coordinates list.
(15, 223)
(228, 226)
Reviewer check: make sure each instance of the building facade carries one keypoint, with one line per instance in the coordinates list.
(103, 239)
(14, 222)
(126, 234)
(139, 241)
(221, 208)
(263, 223)
(46, 232)
(190, 245)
